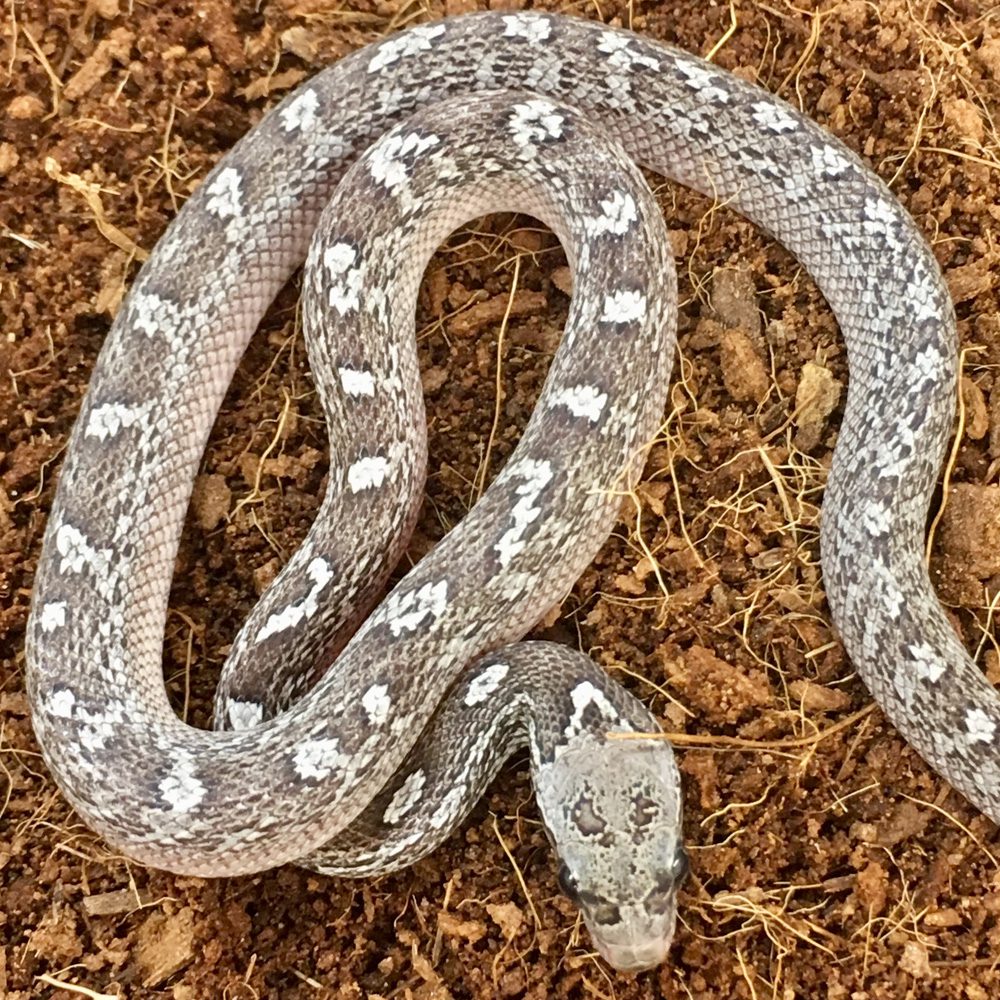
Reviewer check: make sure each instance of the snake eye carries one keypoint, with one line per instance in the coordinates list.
(682, 865)
(567, 883)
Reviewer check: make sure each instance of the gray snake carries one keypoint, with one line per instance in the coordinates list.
(369, 765)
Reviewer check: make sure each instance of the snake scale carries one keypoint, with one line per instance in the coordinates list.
(367, 766)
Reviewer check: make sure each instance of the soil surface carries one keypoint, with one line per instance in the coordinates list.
(828, 860)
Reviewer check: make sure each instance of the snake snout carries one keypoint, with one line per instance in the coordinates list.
(641, 936)
(637, 958)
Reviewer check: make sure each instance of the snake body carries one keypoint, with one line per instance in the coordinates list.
(370, 765)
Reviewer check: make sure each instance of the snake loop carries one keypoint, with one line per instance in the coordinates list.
(371, 765)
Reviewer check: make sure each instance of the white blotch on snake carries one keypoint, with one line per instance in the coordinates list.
(773, 118)
(879, 216)
(417, 40)
(61, 702)
(387, 159)
(535, 121)
(621, 55)
(408, 611)
(226, 195)
(321, 573)
(874, 517)
(624, 306)
(301, 113)
(981, 727)
(376, 703)
(157, 316)
(619, 214)
(582, 401)
(483, 685)
(77, 552)
(53, 616)
(181, 789)
(535, 30)
(926, 662)
(367, 473)
(357, 383)
(318, 759)
(244, 714)
(99, 727)
(583, 696)
(927, 362)
(832, 163)
(108, 419)
(537, 474)
(346, 277)
(407, 796)
(447, 810)
(704, 81)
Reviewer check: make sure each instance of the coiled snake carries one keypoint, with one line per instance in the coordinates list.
(542, 114)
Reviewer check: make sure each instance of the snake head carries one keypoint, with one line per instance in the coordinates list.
(612, 808)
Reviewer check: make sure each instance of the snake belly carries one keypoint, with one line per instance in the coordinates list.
(276, 787)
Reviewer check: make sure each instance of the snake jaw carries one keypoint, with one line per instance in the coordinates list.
(630, 949)
(612, 808)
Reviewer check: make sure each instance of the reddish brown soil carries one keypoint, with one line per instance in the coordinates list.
(828, 860)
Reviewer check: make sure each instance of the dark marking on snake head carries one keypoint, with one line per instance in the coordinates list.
(587, 820)
(601, 910)
(644, 812)
(663, 896)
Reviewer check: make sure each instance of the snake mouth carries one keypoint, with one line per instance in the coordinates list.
(640, 941)
(634, 958)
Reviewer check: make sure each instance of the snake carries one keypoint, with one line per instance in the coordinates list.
(354, 729)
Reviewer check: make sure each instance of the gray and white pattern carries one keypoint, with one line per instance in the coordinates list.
(369, 766)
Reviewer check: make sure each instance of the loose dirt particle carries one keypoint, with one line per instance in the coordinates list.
(816, 398)
(943, 918)
(8, 157)
(471, 930)
(26, 107)
(965, 118)
(734, 301)
(482, 314)
(508, 916)
(817, 698)
(165, 945)
(115, 48)
(916, 960)
(977, 417)
(717, 689)
(109, 904)
(743, 370)
(210, 501)
(873, 887)
(906, 820)
(969, 533)
(989, 53)
(967, 281)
